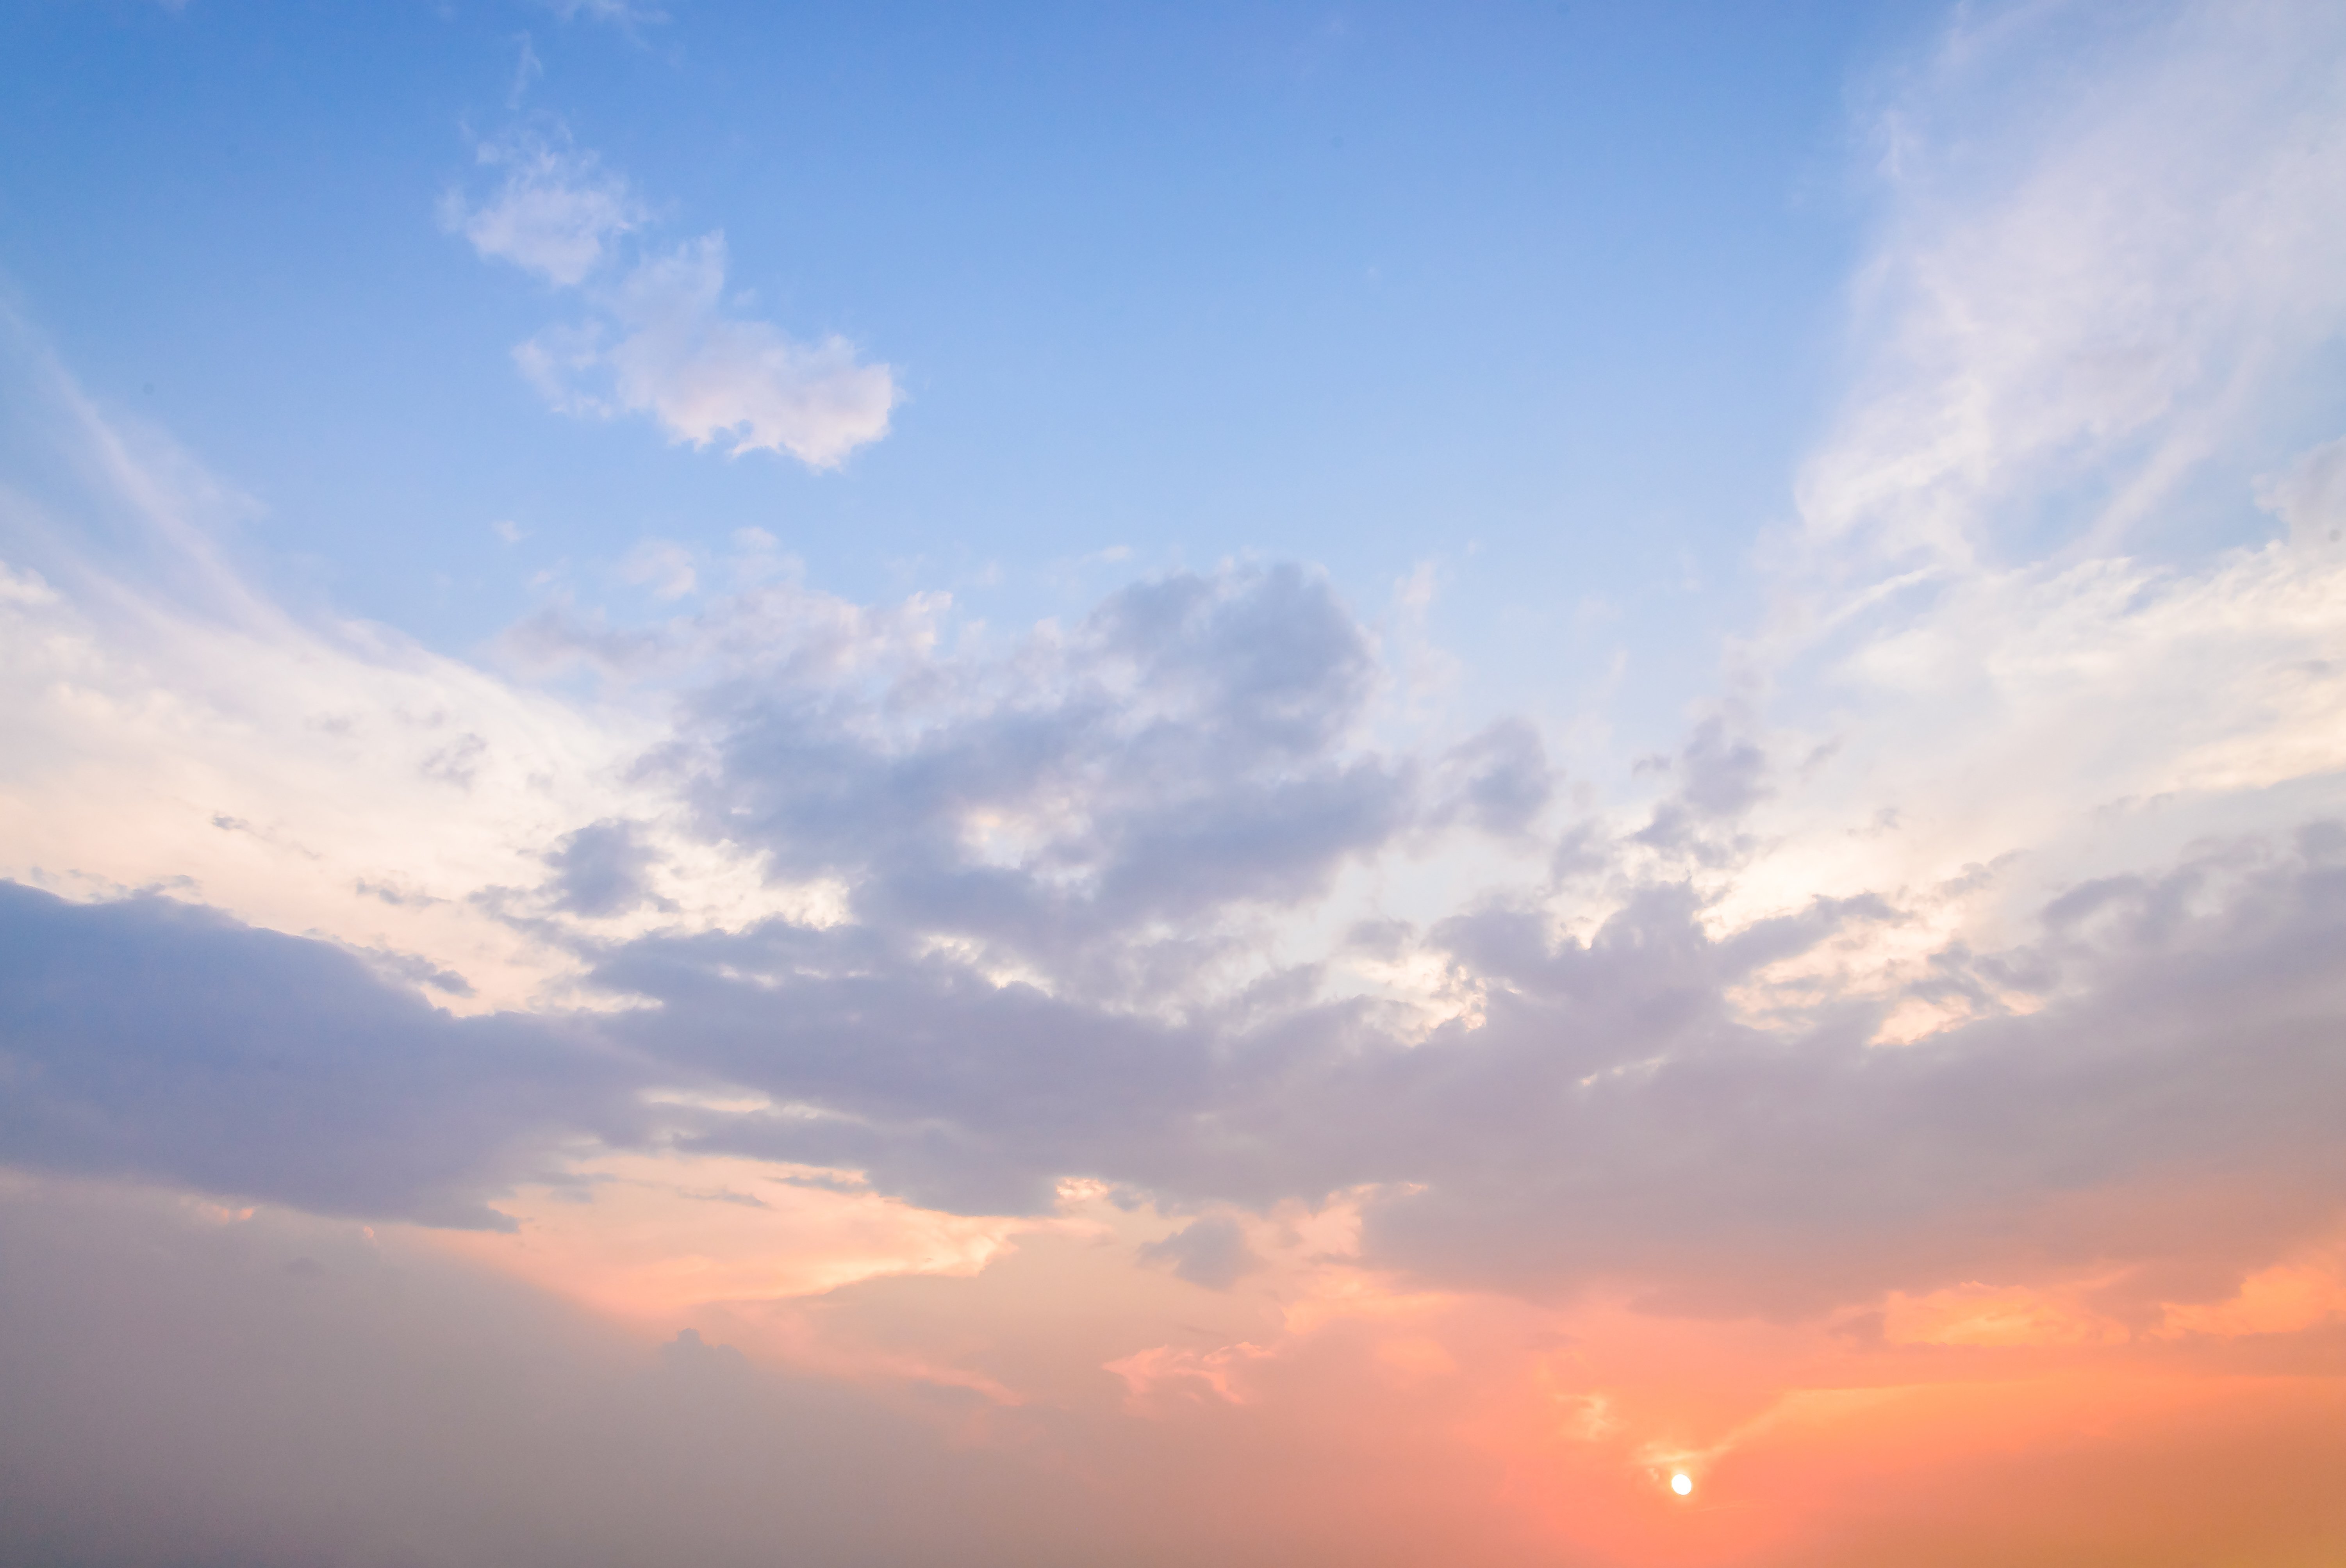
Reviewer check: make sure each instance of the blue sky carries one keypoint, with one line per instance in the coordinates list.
(1545, 296)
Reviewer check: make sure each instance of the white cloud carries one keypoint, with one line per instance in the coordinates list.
(660, 341)
(672, 351)
(2028, 611)
(661, 565)
(556, 214)
(2109, 235)
(2310, 497)
(626, 14)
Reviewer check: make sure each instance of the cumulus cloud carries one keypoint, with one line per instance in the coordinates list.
(1189, 746)
(556, 214)
(1613, 1113)
(668, 348)
(660, 341)
(1719, 777)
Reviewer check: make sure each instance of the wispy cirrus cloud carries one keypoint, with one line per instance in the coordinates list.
(2079, 298)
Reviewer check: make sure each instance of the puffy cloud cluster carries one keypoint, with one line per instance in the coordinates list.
(1185, 750)
(1055, 866)
(1090, 903)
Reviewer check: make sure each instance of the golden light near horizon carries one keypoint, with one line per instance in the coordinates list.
(1681, 1484)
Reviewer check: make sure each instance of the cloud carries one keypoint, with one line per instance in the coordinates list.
(599, 870)
(660, 341)
(1189, 747)
(1211, 1252)
(623, 14)
(1626, 1125)
(387, 1404)
(2081, 298)
(2311, 498)
(972, 918)
(667, 349)
(665, 567)
(1501, 778)
(1613, 1115)
(1720, 777)
(557, 213)
(147, 1038)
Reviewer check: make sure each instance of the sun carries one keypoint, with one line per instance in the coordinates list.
(1681, 1484)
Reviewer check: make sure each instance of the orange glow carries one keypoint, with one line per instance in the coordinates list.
(1986, 1421)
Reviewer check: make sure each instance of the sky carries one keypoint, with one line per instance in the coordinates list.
(1532, 784)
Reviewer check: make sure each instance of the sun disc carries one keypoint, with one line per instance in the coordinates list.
(1682, 1483)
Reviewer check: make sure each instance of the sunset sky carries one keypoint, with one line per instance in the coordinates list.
(1335, 786)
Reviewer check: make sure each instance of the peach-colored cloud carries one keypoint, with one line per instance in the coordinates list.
(648, 1237)
(2286, 1298)
(1975, 1314)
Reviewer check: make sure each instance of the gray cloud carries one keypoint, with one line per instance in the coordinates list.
(959, 1092)
(599, 870)
(1500, 778)
(1058, 857)
(1612, 1116)
(1184, 750)
(1622, 1126)
(154, 1039)
(1211, 1252)
(1720, 777)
